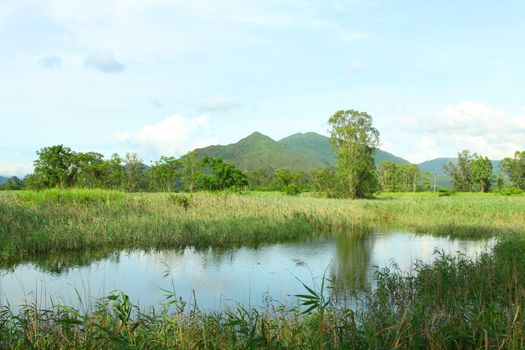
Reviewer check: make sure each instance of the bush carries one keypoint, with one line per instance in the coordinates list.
(510, 191)
(182, 200)
(445, 192)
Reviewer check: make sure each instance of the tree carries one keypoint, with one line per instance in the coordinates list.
(514, 169)
(190, 170)
(388, 176)
(282, 179)
(135, 170)
(223, 175)
(481, 172)
(163, 174)
(355, 140)
(89, 170)
(326, 180)
(115, 176)
(461, 171)
(12, 184)
(408, 175)
(55, 166)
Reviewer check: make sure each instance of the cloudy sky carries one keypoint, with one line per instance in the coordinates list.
(160, 77)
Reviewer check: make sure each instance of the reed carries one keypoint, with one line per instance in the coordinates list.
(76, 220)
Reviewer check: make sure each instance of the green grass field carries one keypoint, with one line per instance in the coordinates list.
(454, 303)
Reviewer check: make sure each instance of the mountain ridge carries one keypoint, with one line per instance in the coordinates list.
(297, 152)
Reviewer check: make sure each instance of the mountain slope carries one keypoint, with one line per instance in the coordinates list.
(258, 151)
(312, 145)
(318, 146)
(3, 180)
(299, 152)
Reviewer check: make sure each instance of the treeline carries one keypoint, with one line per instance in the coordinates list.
(474, 173)
(60, 167)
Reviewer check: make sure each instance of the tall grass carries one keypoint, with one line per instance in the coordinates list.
(76, 220)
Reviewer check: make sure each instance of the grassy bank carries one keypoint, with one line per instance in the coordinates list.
(76, 220)
(455, 303)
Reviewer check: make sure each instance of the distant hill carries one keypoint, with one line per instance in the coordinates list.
(435, 166)
(318, 147)
(3, 179)
(298, 152)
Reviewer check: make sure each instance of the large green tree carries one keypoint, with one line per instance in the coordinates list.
(163, 174)
(12, 184)
(355, 141)
(115, 176)
(460, 171)
(222, 175)
(514, 169)
(90, 170)
(481, 172)
(135, 171)
(55, 166)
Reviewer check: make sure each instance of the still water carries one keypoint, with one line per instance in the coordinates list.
(214, 279)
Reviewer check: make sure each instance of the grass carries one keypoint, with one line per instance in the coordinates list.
(80, 220)
(453, 303)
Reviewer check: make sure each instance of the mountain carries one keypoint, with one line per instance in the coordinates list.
(435, 166)
(298, 152)
(312, 145)
(259, 151)
(3, 179)
(318, 146)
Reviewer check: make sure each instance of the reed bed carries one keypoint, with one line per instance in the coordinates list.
(76, 220)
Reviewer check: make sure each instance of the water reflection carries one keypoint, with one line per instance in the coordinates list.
(249, 276)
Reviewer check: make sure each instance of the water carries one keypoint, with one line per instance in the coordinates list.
(214, 279)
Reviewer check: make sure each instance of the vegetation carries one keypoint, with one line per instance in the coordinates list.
(514, 169)
(73, 220)
(355, 139)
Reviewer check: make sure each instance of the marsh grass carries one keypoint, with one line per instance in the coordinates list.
(50, 221)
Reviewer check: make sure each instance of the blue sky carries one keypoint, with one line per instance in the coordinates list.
(161, 77)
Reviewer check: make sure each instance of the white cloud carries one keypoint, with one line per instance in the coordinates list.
(217, 103)
(105, 62)
(15, 169)
(470, 125)
(174, 135)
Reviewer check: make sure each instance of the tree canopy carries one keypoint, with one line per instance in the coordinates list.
(355, 140)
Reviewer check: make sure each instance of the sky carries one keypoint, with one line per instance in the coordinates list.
(162, 77)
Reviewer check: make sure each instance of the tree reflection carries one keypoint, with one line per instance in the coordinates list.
(351, 269)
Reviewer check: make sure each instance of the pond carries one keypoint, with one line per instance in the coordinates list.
(217, 278)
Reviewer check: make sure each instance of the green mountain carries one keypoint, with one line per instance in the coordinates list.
(258, 151)
(318, 146)
(298, 152)
(435, 166)
(3, 179)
